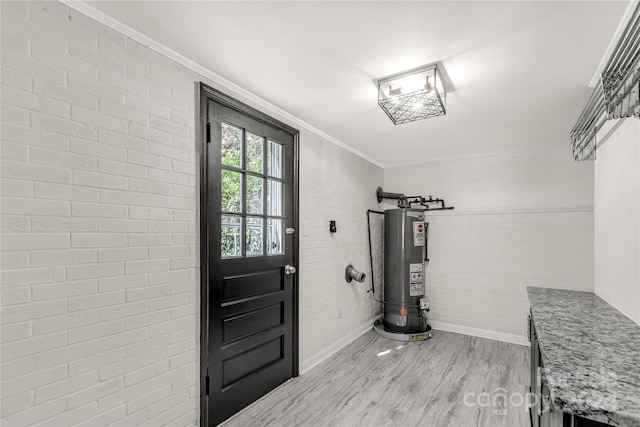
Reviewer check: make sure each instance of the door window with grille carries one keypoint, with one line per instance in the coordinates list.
(252, 195)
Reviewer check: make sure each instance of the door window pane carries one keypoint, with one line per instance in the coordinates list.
(252, 196)
(254, 152)
(275, 240)
(231, 242)
(231, 146)
(274, 159)
(274, 197)
(255, 195)
(231, 191)
(254, 236)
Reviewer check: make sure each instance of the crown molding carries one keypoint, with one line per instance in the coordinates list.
(479, 155)
(96, 14)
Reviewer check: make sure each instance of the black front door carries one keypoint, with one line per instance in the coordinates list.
(249, 253)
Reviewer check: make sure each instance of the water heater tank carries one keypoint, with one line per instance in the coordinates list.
(404, 253)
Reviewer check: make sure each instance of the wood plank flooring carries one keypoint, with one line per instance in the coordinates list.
(449, 380)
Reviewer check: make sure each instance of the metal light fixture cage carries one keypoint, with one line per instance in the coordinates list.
(412, 95)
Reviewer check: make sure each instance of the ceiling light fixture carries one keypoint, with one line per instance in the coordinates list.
(412, 95)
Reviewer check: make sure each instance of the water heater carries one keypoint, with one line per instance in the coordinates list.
(404, 278)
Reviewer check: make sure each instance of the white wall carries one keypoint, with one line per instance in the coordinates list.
(617, 218)
(520, 219)
(100, 291)
(335, 186)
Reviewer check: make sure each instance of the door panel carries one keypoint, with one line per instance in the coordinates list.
(248, 362)
(250, 169)
(250, 285)
(252, 322)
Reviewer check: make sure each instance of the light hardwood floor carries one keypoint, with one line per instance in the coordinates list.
(449, 380)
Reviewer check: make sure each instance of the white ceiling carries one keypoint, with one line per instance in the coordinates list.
(519, 70)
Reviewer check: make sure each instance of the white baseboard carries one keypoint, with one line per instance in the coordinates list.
(480, 333)
(316, 359)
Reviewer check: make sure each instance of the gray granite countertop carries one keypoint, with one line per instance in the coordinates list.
(591, 355)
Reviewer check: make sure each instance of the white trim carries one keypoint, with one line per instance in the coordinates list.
(84, 8)
(479, 155)
(313, 361)
(480, 333)
(626, 17)
(559, 209)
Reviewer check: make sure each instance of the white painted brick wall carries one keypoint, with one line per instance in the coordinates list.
(99, 276)
(335, 185)
(481, 258)
(480, 265)
(100, 290)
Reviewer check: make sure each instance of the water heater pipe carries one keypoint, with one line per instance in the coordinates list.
(404, 202)
(401, 198)
(351, 273)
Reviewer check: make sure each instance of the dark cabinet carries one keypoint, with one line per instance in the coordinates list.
(542, 412)
(535, 386)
